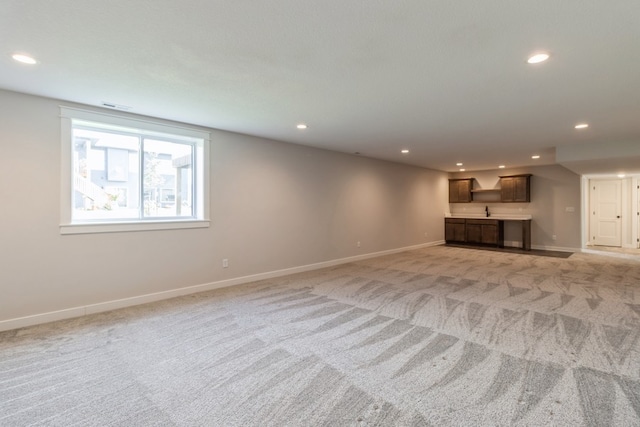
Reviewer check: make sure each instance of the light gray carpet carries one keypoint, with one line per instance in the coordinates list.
(440, 336)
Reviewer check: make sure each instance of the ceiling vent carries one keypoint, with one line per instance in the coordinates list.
(116, 106)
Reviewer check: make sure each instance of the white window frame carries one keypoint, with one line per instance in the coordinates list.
(201, 185)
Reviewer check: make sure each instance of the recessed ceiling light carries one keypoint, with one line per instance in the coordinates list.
(582, 125)
(501, 166)
(405, 151)
(301, 126)
(538, 58)
(458, 164)
(462, 170)
(621, 175)
(535, 157)
(25, 59)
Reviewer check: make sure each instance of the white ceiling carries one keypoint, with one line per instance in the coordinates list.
(446, 79)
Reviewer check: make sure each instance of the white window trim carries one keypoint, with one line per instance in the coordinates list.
(66, 179)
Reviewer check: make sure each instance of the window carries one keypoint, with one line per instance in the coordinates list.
(126, 174)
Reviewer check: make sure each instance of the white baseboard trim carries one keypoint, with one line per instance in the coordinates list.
(69, 313)
(513, 244)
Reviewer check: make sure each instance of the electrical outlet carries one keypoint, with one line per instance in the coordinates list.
(569, 209)
(225, 263)
(358, 244)
(553, 237)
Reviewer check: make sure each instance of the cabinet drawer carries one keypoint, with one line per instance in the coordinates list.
(493, 222)
(454, 220)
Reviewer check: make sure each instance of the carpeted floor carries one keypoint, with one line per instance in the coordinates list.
(440, 336)
(535, 252)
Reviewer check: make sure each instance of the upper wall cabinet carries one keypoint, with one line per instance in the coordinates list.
(511, 189)
(460, 190)
(515, 188)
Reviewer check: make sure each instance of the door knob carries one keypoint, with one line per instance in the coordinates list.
(618, 216)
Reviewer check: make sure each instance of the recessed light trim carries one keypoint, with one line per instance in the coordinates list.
(405, 151)
(458, 164)
(501, 167)
(535, 157)
(301, 126)
(25, 59)
(462, 169)
(581, 126)
(538, 57)
(621, 175)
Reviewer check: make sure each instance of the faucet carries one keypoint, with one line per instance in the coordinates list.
(486, 209)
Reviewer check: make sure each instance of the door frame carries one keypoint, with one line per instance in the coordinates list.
(606, 210)
(630, 209)
(635, 204)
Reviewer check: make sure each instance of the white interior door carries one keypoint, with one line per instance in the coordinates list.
(606, 207)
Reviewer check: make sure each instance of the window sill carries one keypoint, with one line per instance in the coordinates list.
(88, 228)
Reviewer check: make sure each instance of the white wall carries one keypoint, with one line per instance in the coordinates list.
(273, 206)
(554, 188)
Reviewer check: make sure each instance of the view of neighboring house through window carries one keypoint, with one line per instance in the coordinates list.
(121, 174)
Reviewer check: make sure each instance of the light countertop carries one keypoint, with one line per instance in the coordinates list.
(503, 217)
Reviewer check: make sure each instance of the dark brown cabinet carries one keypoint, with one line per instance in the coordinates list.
(476, 231)
(460, 190)
(484, 231)
(454, 229)
(515, 188)
(473, 233)
(511, 189)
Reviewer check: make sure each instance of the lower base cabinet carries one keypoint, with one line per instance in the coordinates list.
(475, 231)
(484, 231)
(454, 230)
